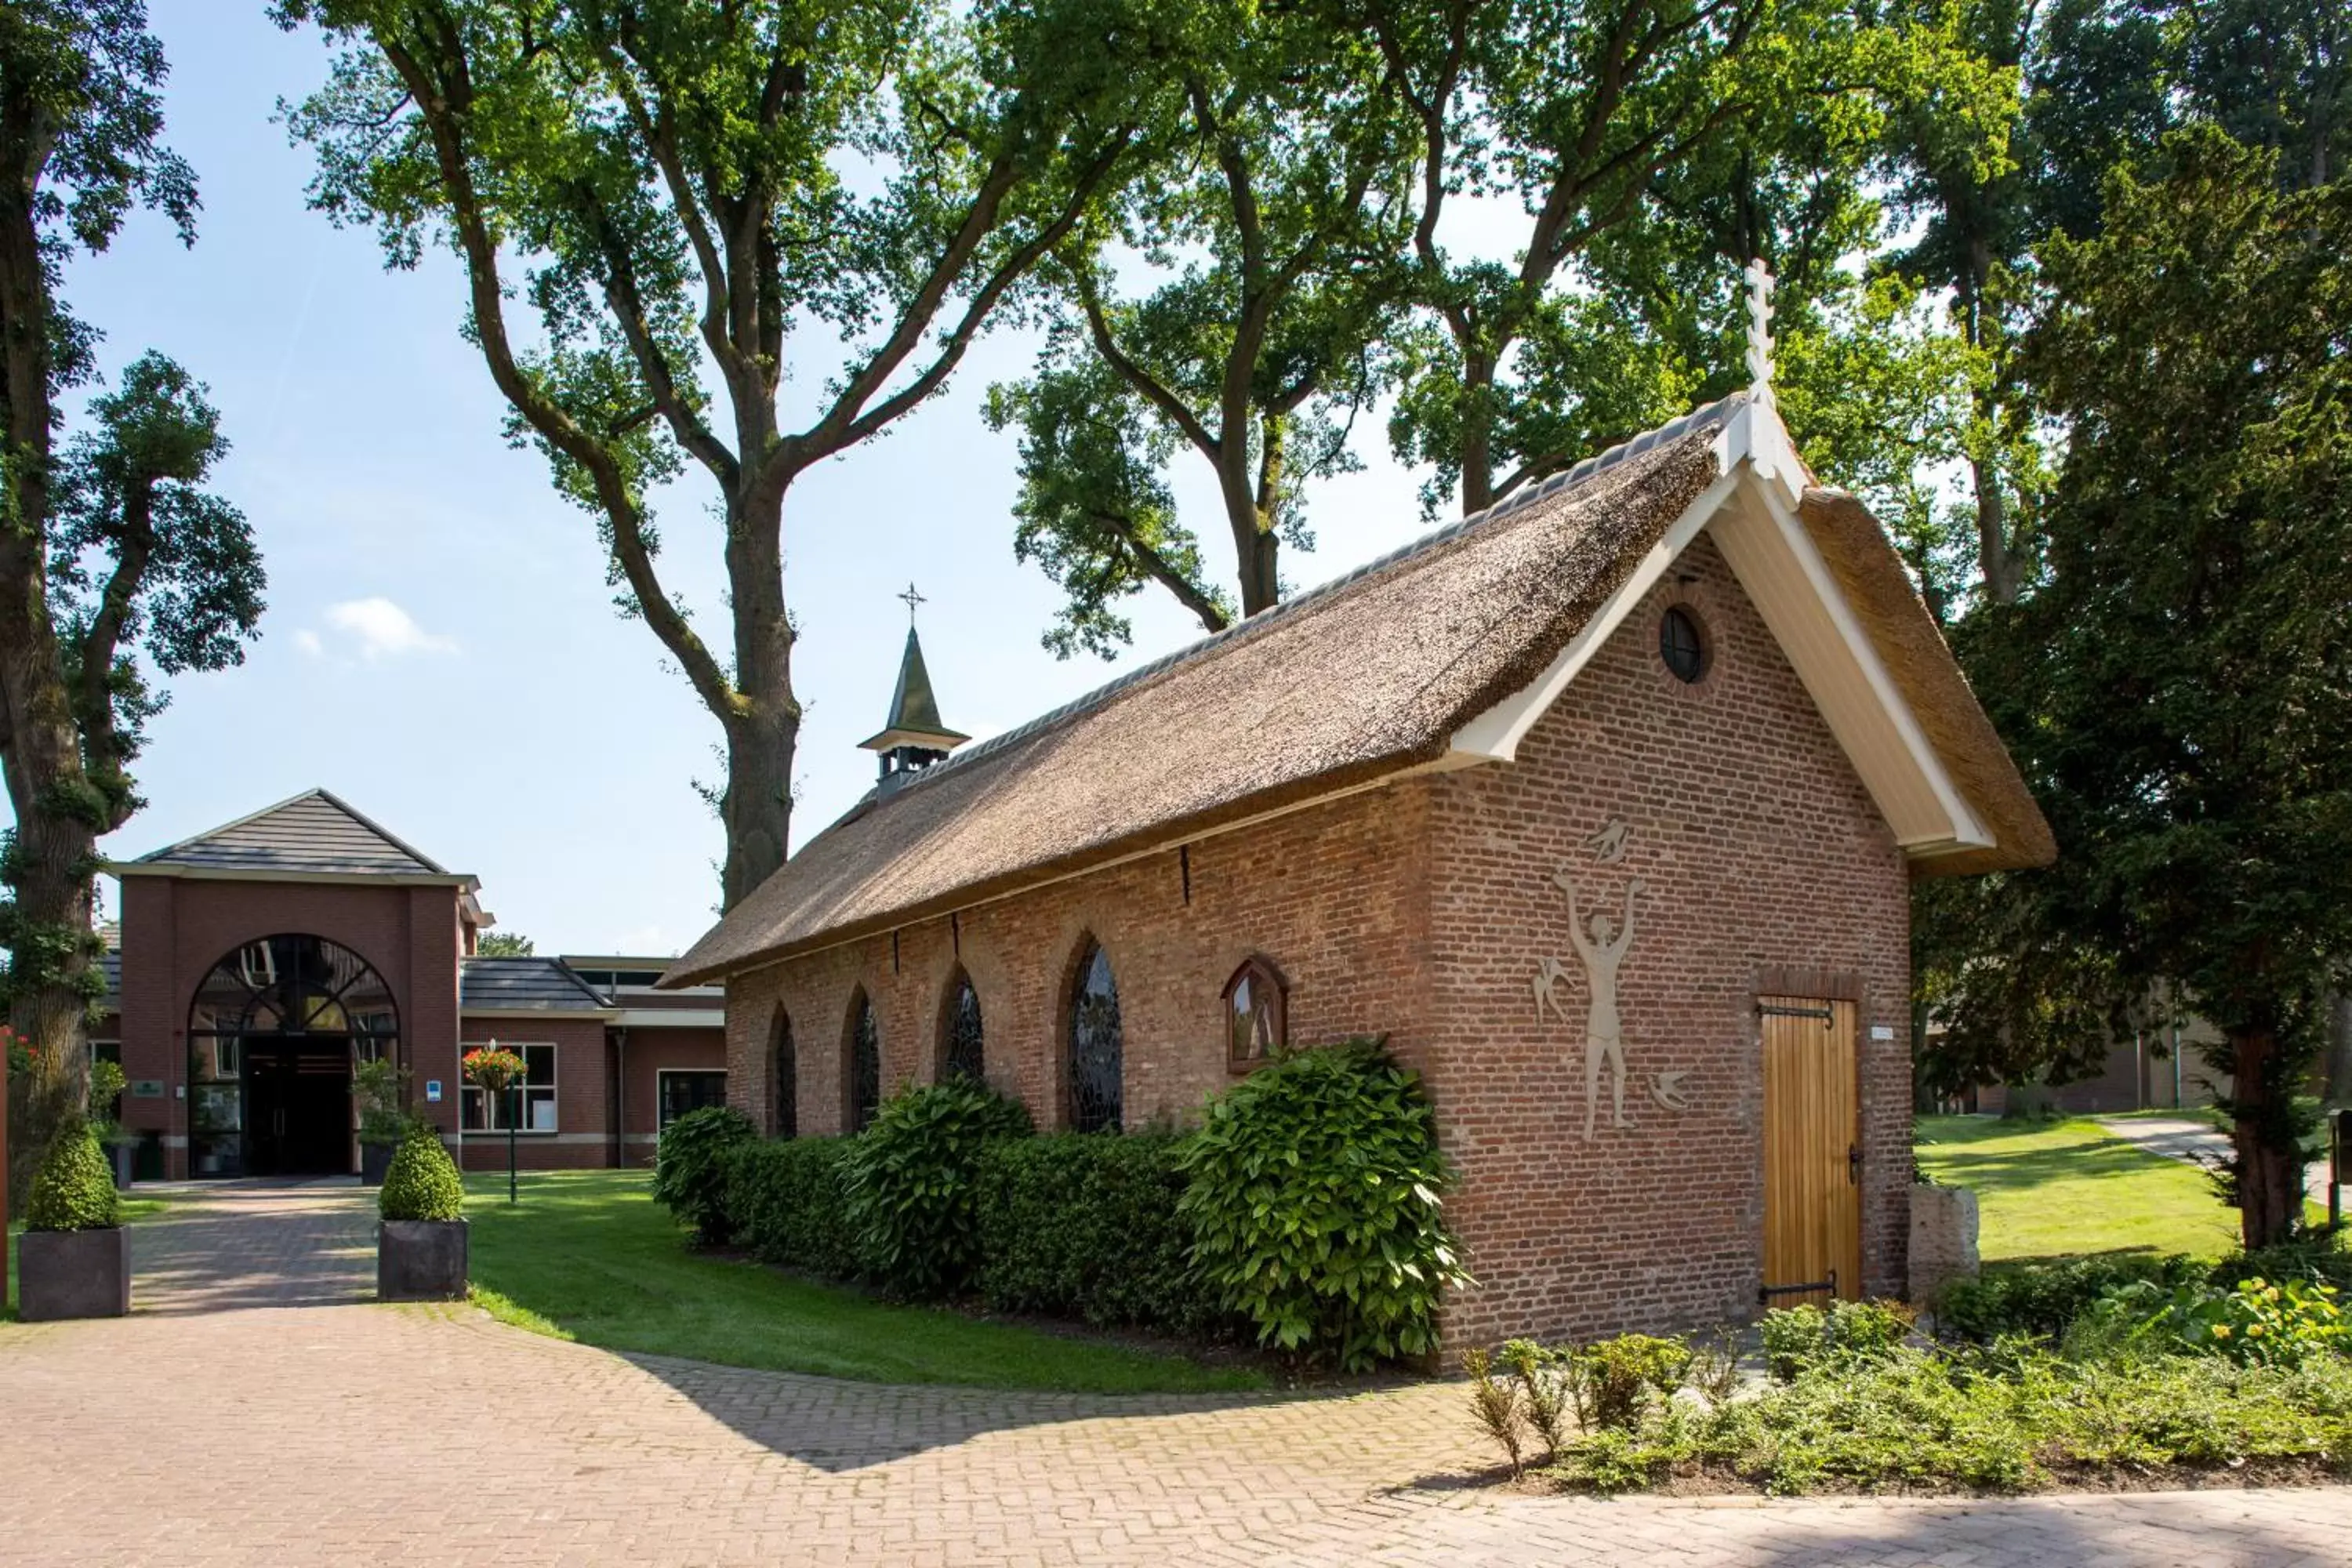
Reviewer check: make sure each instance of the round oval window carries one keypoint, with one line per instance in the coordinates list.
(1679, 645)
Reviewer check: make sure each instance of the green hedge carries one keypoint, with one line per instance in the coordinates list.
(910, 1184)
(689, 1170)
(1307, 1209)
(787, 1201)
(1079, 1225)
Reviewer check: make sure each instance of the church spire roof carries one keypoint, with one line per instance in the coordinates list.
(914, 717)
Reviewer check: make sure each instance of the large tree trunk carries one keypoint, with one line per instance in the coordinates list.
(763, 730)
(1477, 434)
(53, 861)
(2270, 1162)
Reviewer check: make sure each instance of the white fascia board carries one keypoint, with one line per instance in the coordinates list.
(1495, 735)
(1757, 465)
(1964, 830)
(671, 1018)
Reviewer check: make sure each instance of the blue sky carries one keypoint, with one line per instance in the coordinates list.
(440, 647)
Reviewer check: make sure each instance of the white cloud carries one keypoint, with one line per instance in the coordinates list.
(306, 641)
(381, 629)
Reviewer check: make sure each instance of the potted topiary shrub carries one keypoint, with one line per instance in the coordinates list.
(420, 1253)
(379, 1087)
(75, 1259)
(101, 1104)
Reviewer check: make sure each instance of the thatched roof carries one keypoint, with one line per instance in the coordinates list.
(1342, 686)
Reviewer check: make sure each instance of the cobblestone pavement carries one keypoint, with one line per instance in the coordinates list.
(254, 1410)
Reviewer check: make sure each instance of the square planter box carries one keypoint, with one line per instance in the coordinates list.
(420, 1260)
(73, 1274)
(375, 1159)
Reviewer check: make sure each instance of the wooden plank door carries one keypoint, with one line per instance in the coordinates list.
(1812, 1142)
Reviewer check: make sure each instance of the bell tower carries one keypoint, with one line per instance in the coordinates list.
(913, 737)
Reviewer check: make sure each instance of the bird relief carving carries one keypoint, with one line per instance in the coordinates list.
(1600, 946)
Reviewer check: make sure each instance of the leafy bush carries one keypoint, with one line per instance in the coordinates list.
(2046, 1297)
(1616, 1382)
(1080, 1226)
(2256, 1322)
(2318, 1260)
(910, 1188)
(1315, 1205)
(106, 1086)
(1798, 1338)
(1498, 1405)
(785, 1202)
(690, 1177)
(422, 1181)
(377, 1087)
(74, 1188)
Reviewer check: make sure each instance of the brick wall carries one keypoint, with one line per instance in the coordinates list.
(176, 929)
(583, 1094)
(1761, 851)
(1420, 910)
(652, 1050)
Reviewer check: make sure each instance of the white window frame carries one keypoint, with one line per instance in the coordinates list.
(475, 1117)
(660, 1099)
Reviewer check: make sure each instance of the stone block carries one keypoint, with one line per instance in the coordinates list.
(421, 1260)
(73, 1274)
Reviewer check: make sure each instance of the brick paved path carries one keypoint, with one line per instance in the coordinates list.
(252, 1412)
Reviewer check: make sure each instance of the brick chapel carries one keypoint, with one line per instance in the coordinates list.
(1601, 805)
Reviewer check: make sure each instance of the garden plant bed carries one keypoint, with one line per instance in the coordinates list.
(2202, 1376)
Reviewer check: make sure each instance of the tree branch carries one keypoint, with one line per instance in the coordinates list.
(1156, 566)
(444, 106)
(1169, 405)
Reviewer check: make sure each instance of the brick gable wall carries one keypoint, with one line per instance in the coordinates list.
(1761, 852)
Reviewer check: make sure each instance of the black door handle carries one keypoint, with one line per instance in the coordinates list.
(1854, 1164)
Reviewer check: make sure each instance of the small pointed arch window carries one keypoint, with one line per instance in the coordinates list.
(963, 1034)
(1257, 1015)
(784, 1069)
(1096, 1045)
(862, 1066)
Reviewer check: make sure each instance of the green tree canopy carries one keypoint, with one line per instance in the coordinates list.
(1266, 227)
(694, 199)
(2178, 685)
(109, 550)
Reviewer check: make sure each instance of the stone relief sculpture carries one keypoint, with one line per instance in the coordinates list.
(1604, 1034)
(1666, 1089)
(1550, 972)
(1608, 845)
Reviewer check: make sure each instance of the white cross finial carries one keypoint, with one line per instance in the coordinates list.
(912, 599)
(1759, 332)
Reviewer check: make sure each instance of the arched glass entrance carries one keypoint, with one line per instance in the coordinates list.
(272, 1036)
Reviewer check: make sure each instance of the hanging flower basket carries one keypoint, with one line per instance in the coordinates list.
(492, 1069)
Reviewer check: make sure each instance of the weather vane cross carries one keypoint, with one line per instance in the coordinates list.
(912, 599)
(1760, 330)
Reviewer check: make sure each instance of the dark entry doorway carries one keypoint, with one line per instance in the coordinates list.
(297, 1108)
(273, 1032)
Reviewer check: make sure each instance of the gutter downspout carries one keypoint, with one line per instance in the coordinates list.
(619, 1096)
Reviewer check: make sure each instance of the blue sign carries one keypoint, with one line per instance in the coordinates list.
(433, 1090)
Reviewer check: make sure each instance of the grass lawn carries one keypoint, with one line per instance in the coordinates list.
(133, 1211)
(588, 1256)
(2064, 1189)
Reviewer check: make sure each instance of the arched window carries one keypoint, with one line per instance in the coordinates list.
(274, 1032)
(863, 1077)
(962, 1052)
(1097, 1047)
(784, 1065)
(1258, 1016)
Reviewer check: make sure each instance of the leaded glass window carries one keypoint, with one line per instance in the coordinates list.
(1680, 644)
(1256, 1021)
(962, 1052)
(865, 1063)
(784, 1066)
(1097, 1047)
